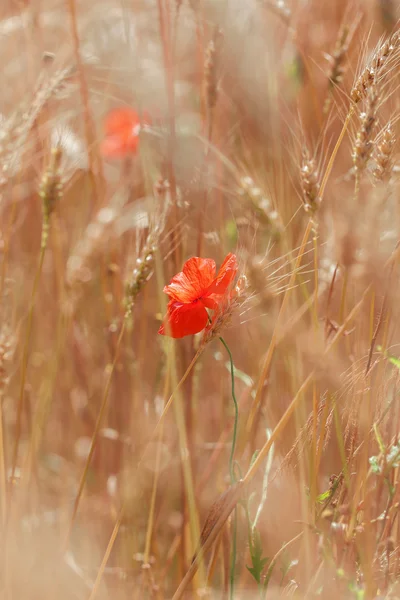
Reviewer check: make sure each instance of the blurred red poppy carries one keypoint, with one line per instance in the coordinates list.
(192, 291)
(122, 128)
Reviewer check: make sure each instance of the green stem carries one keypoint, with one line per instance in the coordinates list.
(233, 556)
(231, 468)
(235, 424)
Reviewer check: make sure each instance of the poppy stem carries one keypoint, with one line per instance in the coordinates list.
(231, 466)
(235, 424)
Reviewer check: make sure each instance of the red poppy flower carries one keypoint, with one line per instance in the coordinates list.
(194, 290)
(122, 127)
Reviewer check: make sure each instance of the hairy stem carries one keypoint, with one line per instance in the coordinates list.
(231, 466)
(235, 423)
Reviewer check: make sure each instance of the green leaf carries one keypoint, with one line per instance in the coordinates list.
(395, 361)
(256, 553)
(378, 437)
(391, 488)
(269, 575)
(253, 458)
(286, 566)
(321, 498)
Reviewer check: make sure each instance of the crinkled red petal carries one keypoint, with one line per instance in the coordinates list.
(184, 319)
(194, 280)
(225, 277)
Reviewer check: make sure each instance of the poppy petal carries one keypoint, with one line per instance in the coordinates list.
(211, 301)
(184, 319)
(114, 147)
(193, 281)
(225, 277)
(120, 121)
(122, 128)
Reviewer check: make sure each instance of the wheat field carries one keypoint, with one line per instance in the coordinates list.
(199, 267)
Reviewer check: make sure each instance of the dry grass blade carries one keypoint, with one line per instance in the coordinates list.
(228, 504)
(213, 516)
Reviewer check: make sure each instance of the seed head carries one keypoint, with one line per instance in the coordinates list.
(383, 155)
(226, 308)
(376, 67)
(144, 265)
(309, 183)
(261, 206)
(363, 147)
(50, 189)
(142, 272)
(337, 62)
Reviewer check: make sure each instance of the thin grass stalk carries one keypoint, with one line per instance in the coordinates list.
(300, 418)
(94, 166)
(106, 556)
(25, 358)
(381, 316)
(213, 560)
(335, 151)
(45, 401)
(267, 363)
(286, 329)
(186, 467)
(95, 434)
(233, 555)
(139, 276)
(278, 430)
(155, 432)
(232, 469)
(169, 68)
(6, 242)
(214, 534)
(342, 308)
(211, 95)
(236, 417)
(50, 192)
(313, 456)
(316, 279)
(176, 391)
(340, 441)
(150, 522)
(322, 434)
(3, 474)
(292, 406)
